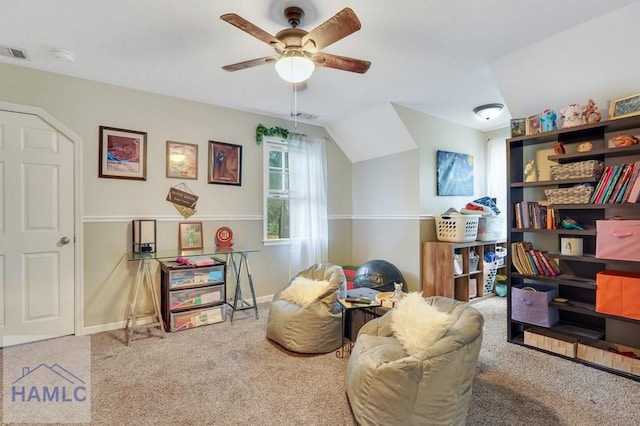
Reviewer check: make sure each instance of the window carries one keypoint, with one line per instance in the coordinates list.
(276, 178)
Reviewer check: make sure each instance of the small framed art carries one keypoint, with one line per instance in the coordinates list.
(182, 160)
(518, 127)
(189, 236)
(225, 163)
(122, 154)
(625, 107)
(533, 125)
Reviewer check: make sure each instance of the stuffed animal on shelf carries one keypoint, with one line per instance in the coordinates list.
(621, 140)
(558, 148)
(572, 115)
(591, 114)
(548, 120)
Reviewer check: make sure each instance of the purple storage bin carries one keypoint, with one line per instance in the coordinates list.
(532, 307)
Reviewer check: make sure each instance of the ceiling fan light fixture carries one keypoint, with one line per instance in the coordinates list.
(294, 67)
(488, 111)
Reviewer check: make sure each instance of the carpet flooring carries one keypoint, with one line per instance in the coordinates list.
(230, 374)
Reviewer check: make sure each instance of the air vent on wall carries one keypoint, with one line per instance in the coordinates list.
(13, 52)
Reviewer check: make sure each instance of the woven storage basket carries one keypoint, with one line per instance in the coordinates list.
(457, 229)
(575, 195)
(578, 170)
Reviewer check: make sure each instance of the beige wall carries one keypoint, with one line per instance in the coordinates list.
(377, 207)
(110, 204)
(394, 195)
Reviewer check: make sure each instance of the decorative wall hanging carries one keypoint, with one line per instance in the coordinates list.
(625, 107)
(533, 124)
(122, 154)
(182, 160)
(455, 173)
(225, 163)
(189, 236)
(183, 199)
(518, 127)
(262, 131)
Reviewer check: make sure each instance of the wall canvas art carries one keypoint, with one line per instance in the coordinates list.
(455, 173)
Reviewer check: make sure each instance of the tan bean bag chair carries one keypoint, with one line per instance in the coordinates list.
(305, 316)
(386, 386)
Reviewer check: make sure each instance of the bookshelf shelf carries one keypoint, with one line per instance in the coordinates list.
(576, 282)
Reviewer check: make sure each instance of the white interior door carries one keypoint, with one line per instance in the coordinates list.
(36, 229)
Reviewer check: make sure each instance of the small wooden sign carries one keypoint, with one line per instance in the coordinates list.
(182, 198)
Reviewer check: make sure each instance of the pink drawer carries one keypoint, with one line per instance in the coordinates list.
(618, 239)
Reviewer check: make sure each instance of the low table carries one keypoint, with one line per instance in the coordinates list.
(369, 313)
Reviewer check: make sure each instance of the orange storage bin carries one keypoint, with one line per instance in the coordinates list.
(618, 293)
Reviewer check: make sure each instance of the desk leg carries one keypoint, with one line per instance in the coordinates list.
(237, 298)
(345, 347)
(250, 278)
(143, 278)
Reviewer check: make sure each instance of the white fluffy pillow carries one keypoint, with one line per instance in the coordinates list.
(303, 291)
(417, 324)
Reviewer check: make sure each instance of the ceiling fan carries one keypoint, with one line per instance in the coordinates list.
(298, 50)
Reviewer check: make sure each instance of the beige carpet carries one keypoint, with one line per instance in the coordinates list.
(229, 374)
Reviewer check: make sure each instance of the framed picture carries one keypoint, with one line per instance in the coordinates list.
(518, 127)
(123, 154)
(189, 236)
(182, 160)
(455, 173)
(533, 125)
(225, 163)
(625, 107)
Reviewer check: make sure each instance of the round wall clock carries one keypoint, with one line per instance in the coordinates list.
(224, 237)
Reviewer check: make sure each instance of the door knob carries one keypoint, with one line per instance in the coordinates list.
(64, 240)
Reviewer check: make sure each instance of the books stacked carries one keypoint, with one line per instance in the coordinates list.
(619, 183)
(534, 215)
(529, 261)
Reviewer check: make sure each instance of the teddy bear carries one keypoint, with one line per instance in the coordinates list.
(572, 115)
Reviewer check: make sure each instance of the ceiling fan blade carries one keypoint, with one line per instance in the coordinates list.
(249, 28)
(249, 64)
(333, 29)
(341, 62)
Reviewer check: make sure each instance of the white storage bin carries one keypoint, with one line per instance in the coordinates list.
(457, 228)
(490, 228)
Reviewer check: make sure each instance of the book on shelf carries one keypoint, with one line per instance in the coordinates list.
(624, 175)
(602, 183)
(634, 186)
(538, 269)
(529, 261)
(619, 195)
(552, 267)
(609, 184)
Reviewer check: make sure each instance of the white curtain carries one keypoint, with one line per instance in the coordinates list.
(497, 175)
(308, 224)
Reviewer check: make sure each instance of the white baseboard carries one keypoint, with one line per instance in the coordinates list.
(144, 320)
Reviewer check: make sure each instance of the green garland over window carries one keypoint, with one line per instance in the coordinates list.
(262, 131)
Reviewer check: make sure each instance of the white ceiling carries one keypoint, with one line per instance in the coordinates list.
(434, 56)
